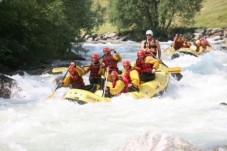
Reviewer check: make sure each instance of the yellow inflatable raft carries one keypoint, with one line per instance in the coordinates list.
(189, 51)
(146, 90)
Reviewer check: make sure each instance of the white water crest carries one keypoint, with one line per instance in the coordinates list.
(189, 109)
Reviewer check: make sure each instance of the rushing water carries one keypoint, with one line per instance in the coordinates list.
(190, 109)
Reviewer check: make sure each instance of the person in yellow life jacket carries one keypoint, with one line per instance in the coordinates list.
(119, 85)
(178, 42)
(186, 44)
(202, 45)
(74, 79)
(111, 60)
(132, 76)
(146, 66)
(151, 45)
(96, 71)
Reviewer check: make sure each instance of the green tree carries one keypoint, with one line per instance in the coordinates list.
(141, 15)
(35, 31)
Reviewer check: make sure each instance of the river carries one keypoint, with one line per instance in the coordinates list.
(189, 108)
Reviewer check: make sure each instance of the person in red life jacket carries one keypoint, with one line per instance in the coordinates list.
(96, 71)
(178, 42)
(146, 66)
(110, 61)
(186, 44)
(202, 45)
(74, 79)
(151, 46)
(119, 85)
(132, 76)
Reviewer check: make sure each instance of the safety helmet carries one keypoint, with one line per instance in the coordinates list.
(140, 53)
(95, 56)
(72, 69)
(126, 64)
(106, 50)
(149, 32)
(114, 73)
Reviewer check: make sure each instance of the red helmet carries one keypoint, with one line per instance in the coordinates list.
(95, 56)
(106, 50)
(140, 53)
(114, 73)
(72, 69)
(126, 64)
(203, 41)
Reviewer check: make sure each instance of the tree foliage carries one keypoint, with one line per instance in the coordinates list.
(141, 15)
(32, 31)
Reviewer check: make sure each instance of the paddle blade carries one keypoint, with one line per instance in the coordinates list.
(173, 69)
(59, 69)
(51, 95)
(177, 76)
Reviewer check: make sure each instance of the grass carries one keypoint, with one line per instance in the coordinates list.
(212, 14)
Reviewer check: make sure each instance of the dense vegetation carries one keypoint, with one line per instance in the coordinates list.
(212, 14)
(158, 15)
(33, 31)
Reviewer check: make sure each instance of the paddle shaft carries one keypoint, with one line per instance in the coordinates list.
(176, 76)
(99, 58)
(107, 74)
(58, 85)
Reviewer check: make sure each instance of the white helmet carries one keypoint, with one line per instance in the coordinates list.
(149, 32)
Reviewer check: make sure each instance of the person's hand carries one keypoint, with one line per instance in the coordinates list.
(153, 71)
(107, 89)
(103, 64)
(60, 82)
(129, 85)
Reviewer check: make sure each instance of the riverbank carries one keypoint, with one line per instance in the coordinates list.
(214, 34)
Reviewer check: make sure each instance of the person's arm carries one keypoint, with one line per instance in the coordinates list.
(159, 50)
(135, 80)
(153, 61)
(142, 45)
(80, 70)
(86, 69)
(66, 81)
(118, 88)
(117, 57)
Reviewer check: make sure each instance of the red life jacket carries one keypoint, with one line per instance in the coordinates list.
(144, 67)
(76, 80)
(94, 70)
(186, 45)
(124, 79)
(127, 75)
(110, 62)
(178, 43)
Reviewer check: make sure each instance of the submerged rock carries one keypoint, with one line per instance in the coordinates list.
(157, 142)
(6, 85)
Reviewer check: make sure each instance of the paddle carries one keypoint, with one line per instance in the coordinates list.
(176, 76)
(58, 86)
(107, 74)
(170, 70)
(62, 69)
(59, 69)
